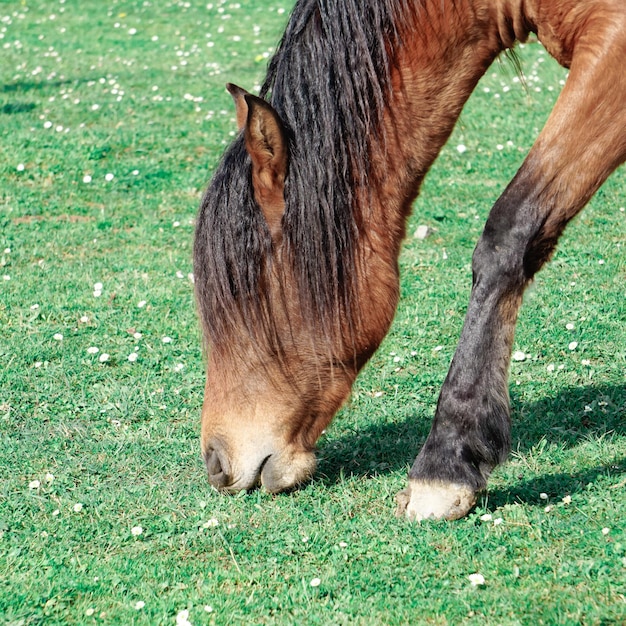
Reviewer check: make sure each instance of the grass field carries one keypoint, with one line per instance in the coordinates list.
(112, 117)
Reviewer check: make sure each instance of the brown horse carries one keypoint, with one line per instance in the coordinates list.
(299, 233)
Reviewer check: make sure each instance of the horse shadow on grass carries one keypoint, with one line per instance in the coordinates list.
(572, 417)
(12, 108)
(18, 89)
(24, 86)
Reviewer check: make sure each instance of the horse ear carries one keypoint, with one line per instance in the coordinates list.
(241, 106)
(266, 143)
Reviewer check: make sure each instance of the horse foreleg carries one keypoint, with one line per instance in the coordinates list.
(583, 141)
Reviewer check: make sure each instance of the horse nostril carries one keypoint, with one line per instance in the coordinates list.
(213, 463)
(217, 468)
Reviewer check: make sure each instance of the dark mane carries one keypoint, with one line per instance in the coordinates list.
(329, 81)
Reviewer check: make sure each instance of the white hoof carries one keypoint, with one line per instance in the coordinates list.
(423, 500)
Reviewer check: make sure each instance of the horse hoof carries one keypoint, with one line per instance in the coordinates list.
(424, 500)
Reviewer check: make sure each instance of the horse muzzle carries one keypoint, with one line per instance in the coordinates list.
(232, 471)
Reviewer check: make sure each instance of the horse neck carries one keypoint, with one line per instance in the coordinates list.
(448, 46)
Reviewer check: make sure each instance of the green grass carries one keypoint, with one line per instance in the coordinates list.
(122, 438)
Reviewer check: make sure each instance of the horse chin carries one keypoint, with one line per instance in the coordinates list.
(288, 469)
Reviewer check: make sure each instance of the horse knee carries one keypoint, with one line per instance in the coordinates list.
(498, 260)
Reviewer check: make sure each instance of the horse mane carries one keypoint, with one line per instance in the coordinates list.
(329, 80)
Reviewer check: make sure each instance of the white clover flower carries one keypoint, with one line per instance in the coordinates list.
(49, 477)
(93, 350)
(78, 507)
(208, 608)
(315, 582)
(58, 337)
(487, 517)
(461, 148)
(567, 499)
(606, 531)
(104, 357)
(132, 357)
(573, 345)
(166, 340)
(141, 304)
(518, 355)
(86, 178)
(34, 484)
(476, 579)
(182, 618)
(109, 177)
(136, 531)
(212, 523)
(139, 605)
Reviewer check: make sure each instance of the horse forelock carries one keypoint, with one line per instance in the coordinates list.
(329, 81)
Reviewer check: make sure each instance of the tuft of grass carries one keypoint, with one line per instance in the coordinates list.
(92, 450)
